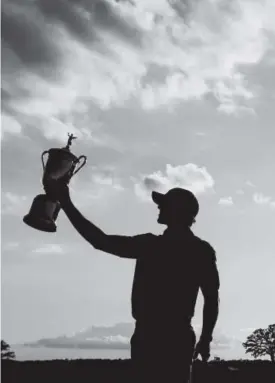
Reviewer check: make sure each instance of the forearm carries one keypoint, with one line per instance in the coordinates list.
(210, 316)
(85, 228)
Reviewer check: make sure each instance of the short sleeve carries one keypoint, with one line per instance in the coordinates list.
(129, 246)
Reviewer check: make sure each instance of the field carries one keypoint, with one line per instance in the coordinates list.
(120, 371)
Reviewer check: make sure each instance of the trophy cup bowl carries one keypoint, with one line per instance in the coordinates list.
(43, 213)
(61, 166)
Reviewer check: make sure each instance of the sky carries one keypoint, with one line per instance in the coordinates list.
(160, 94)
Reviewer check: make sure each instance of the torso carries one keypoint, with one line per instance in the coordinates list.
(165, 283)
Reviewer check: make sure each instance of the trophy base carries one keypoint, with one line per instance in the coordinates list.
(40, 223)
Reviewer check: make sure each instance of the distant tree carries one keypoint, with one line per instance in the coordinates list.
(6, 352)
(261, 342)
(217, 359)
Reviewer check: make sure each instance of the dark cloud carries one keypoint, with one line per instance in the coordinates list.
(25, 35)
(31, 41)
(106, 18)
(150, 183)
(183, 8)
(27, 47)
(11, 91)
(70, 14)
(83, 18)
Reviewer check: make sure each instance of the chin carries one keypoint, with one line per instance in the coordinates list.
(161, 221)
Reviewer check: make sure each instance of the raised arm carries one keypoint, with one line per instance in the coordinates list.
(122, 246)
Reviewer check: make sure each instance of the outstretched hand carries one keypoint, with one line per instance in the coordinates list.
(57, 190)
(202, 348)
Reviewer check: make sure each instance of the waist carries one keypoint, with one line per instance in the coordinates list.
(164, 331)
(163, 320)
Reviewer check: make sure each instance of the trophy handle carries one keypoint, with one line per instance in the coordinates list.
(81, 166)
(42, 155)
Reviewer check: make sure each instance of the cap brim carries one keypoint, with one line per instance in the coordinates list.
(157, 197)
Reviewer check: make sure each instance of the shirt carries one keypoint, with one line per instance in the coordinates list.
(170, 269)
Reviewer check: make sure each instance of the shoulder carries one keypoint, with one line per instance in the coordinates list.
(146, 237)
(206, 250)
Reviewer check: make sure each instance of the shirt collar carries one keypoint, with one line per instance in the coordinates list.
(178, 232)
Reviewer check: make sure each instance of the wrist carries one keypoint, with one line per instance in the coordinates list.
(206, 338)
(65, 201)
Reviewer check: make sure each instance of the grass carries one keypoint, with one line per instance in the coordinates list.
(120, 371)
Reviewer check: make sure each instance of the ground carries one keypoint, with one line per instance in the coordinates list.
(120, 371)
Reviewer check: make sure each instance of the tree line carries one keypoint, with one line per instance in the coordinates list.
(260, 343)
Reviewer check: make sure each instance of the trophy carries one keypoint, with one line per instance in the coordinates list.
(61, 165)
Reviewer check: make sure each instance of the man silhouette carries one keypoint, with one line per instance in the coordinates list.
(170, 270)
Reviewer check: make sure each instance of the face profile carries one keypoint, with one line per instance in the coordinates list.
(177, 207)
(167, 214)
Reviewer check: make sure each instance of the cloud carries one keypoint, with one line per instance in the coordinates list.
(261, 199)
(250, 184)
(99, 179)
(59, 56)
(49, 249)
(102, 185)
(204, 56)
(27, 37)
(189, 176)
(9, 246)
(14, 204)
(226, 201)
(119, 336)
(9, 125)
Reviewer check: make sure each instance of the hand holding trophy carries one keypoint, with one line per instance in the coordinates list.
(59, 169)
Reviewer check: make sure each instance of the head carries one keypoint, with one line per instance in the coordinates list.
(178, 207)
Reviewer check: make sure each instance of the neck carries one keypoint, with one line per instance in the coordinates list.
(178, 227)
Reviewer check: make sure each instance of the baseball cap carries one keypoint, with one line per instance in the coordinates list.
(178, 197)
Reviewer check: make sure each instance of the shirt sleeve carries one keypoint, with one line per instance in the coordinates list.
(209, 274)
(132, 247)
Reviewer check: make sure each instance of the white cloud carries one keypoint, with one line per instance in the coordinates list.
(216, 41)
(226, 201)
(200, 46)
(14, 204)
(102, 186)
(177, 86)
(250, 184)
(189, 176)
(117, 339)
(100, 179)
(234, 109)
(261, 199)
(9, 125)
(49, 249)
(10, 246)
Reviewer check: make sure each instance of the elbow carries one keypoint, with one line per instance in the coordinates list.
(98, 242)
